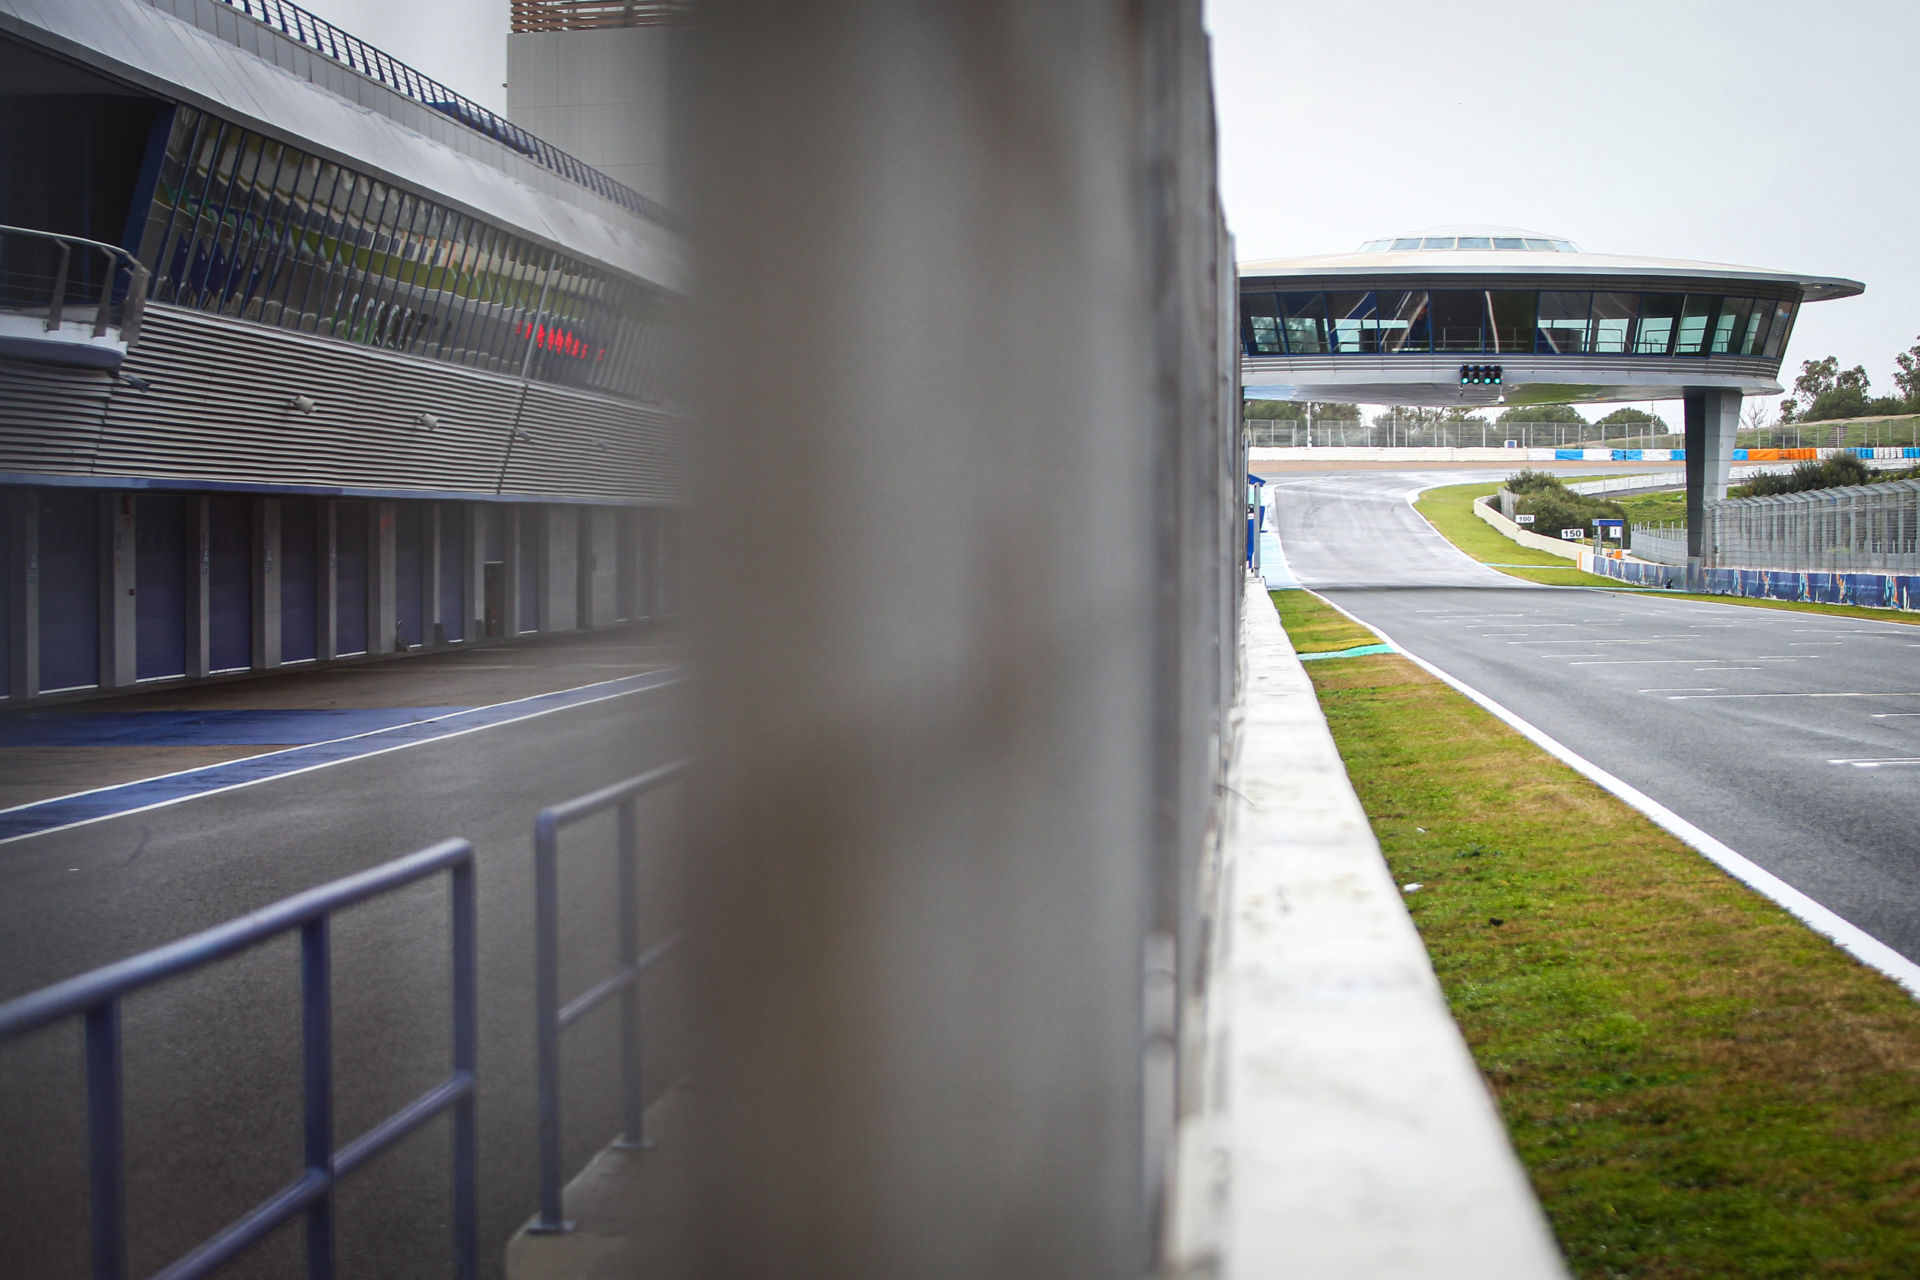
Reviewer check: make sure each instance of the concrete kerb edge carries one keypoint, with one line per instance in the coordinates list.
(1843, 933)
(1341, 1128)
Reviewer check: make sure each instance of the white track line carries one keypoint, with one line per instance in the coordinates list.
(674, 675)
(1843, 933)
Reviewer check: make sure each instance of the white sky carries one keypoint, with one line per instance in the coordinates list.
(1775, 133)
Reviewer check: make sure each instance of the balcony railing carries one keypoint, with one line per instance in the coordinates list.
(75, 289)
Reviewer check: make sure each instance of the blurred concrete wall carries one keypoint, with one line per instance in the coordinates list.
(602, 95)
(964, 571)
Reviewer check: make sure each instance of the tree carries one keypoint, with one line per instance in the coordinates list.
(1907, 375)
(1825, 390)
(1540, 413)
(1631, 421)
(1299, 411)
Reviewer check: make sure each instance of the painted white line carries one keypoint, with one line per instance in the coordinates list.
(1708, 688)
(1728, 668)
(674, 677)
(1875, 764)
(1802, 695)
(1893, 715)
(1843, 933)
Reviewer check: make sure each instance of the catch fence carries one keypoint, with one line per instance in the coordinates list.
(1873, 528)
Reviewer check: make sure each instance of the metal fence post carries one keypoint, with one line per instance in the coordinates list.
(106, 1162)
(546, 907)
(316, 1019)
(466, 1041)
(632, 1104)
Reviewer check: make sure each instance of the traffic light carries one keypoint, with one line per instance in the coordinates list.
(1479, 375)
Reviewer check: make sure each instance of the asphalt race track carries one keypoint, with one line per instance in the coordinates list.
(1793, 738)
(212, 1059)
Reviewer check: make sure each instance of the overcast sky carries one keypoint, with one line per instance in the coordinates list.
(1774, 133)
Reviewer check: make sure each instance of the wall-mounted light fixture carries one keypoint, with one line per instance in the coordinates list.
(521, 435)
(303, 404)
(426, 421)
(132, 382)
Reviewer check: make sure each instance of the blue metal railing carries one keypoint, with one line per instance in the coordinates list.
(95, 997)
(323, 37)
(551, 1016)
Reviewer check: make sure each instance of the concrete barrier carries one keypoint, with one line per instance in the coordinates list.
(1483, 507)
(1343, 1131)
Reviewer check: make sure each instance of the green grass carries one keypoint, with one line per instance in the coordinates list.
(1654, 508)
(1450, 510)
(1698, 1085)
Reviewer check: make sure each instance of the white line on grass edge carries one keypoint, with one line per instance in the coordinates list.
(1843, 933)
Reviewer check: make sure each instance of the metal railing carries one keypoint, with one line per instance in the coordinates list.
(323, 37)
(586, 15)
(551, 1016)
(1391, 432)
(37, 269)
(95, 997)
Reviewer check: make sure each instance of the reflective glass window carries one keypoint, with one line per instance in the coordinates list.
(1696, 320)
(1514, 312)
(1458, 319)
(1509, 242)
(1405, 321)
(1437, 242)
(1539, 245)
(1306, 323)
(1659, 317)
(1613, 317)
(1754, 341)
(1782, 326)
(1476, 242)
(1563, 322)
(1730, 326)
(1260, 324)
(167, 182)
(1407, 242)
(1356, 327)
(1561, 246)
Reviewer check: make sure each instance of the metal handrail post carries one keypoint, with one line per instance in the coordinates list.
(106, 1143)
(106, 294)
(546, 998)
(316, 1034)
(57, 306)
(632, 1105)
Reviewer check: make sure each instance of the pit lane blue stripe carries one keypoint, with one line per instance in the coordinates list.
(60, 812)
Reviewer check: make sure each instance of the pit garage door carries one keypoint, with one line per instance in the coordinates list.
(531, 570)
(350, 578)
(299, 581)
(453, 571)
(69, 589)
(409, 600)
(159, 586)
(229, 583)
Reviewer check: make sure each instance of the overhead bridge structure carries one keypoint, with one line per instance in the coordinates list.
(1474, 316)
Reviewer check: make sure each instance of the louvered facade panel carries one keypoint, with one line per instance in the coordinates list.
(221, 408)
(580, 444)
(50, 417)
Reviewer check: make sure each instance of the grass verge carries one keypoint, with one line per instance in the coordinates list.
(1449, 509)
(1698, 1085)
